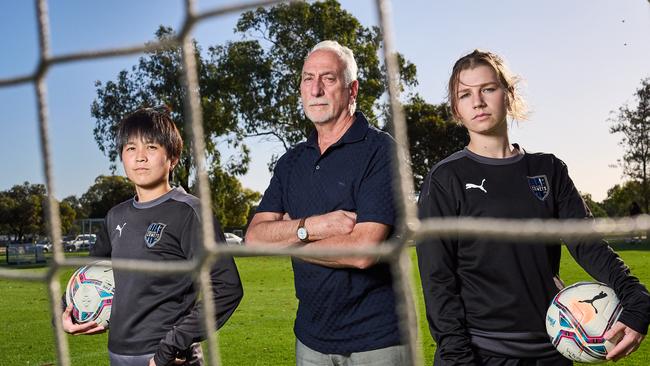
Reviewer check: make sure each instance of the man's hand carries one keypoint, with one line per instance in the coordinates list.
(331, 224)
(83, 328)
(629, 341)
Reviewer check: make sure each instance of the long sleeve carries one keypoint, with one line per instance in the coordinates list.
(600, 261)
(437, 260)
(102, 247)
(227, 292)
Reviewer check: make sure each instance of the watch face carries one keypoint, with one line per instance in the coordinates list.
(302, 233)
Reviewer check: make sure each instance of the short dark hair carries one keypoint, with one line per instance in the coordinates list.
(151, 124)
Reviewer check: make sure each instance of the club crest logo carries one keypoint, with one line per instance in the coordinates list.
(154, 233)
(539, 185)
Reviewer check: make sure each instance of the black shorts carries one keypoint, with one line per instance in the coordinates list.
(193, 357)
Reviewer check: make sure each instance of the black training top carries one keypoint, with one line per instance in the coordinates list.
(493, 294)
(346, 310)
(155, 313)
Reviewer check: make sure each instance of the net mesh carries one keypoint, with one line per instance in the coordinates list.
(394, 252)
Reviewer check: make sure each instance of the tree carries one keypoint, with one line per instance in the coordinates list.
(68, 215)
(621, 198)
(634, 124)
(232, 206)
(155, 80)
(274, 44)
(595, 207)
(432, 134)
(76, 205)
(21, 210)
(248, 88)
(108, 191)
(79, 213)
(6, 205)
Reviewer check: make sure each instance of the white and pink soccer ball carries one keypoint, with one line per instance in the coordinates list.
(90, 291)
(578, 318)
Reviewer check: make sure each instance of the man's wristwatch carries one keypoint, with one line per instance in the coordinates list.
(302, 233)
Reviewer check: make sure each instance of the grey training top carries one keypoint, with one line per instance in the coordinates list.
(155, 313)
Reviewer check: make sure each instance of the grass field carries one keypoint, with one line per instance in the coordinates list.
(259, 333)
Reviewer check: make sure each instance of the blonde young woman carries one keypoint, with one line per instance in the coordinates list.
(486, 299)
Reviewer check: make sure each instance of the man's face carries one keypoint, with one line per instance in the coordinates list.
(325, 96)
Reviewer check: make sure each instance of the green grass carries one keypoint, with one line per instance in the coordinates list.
(260, 332)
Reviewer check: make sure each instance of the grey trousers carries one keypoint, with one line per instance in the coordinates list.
(389, 356)
(129, 360)
(193, 357)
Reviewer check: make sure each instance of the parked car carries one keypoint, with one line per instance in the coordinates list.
(46, 245)
(81, 242)
(232, 239)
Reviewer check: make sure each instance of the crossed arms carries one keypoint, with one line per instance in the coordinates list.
(336, 229)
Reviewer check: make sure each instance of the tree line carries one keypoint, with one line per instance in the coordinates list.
(22, 207)
(22, 211)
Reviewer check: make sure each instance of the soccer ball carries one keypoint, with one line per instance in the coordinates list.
(90, 291)
(578, 318)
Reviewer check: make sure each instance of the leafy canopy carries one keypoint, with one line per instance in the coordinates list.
(633, 123)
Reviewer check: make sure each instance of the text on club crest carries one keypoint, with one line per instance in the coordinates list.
(539, 185)
(154, 233)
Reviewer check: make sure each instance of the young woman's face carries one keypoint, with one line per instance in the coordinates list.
(481, 101)
(146, 163)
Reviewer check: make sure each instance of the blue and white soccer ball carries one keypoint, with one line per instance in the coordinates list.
(578, 318)
(90, 291)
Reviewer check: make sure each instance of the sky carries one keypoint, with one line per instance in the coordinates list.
(580, 59)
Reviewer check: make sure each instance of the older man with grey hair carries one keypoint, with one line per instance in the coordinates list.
(335, 191)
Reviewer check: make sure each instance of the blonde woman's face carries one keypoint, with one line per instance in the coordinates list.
(481, 101)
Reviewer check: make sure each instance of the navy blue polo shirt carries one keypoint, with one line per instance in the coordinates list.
(346, 310)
